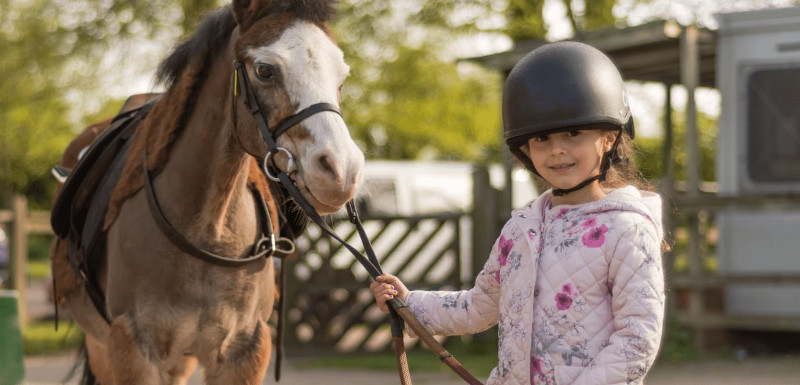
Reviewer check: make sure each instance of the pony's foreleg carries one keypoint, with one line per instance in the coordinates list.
(97, 355)
(248, 365)
(130, 366)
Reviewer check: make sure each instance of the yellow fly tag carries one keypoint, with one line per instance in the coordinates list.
(235, 83)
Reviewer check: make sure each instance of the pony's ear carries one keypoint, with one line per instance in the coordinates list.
(246, 12)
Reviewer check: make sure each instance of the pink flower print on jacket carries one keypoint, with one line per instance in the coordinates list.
(504, 248)
(565, 297)
(563, 301)
(595, 237)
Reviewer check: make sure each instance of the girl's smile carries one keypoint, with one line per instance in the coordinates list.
(562, 167)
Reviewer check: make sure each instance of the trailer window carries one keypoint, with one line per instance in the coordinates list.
(773, 125)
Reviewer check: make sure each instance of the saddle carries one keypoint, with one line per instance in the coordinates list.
(79, 209)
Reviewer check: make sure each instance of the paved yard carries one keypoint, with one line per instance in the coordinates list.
(777, 370)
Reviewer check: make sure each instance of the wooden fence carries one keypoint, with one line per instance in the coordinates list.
(330, 306)
(19, 222)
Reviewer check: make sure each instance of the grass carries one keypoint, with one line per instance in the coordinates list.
(40, 338)
(679, 346)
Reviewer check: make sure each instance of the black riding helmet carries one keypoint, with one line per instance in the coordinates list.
(559, 87)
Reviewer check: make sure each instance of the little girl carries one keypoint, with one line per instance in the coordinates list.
(574, 282)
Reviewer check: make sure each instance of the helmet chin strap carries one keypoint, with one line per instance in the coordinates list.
(561, 192)
(610, 157)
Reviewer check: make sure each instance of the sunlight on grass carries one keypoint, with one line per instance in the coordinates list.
(38, 269)
(41, 337)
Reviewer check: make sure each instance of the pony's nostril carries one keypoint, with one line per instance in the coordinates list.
(326, 166)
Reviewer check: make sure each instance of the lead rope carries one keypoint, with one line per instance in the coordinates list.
(395, 321)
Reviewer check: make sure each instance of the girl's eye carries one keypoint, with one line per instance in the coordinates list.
(540, 138)
(265, 72)
(573, 133)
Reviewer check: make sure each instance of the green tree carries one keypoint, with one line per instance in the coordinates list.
(406, 97)
(51, 54)
(649, 151)
(593, 14)
(525, 19)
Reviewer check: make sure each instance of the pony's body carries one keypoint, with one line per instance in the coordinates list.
(168, 309)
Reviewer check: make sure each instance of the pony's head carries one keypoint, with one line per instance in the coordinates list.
(291, 62)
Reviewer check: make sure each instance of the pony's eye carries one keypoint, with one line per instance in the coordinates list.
(265, 72)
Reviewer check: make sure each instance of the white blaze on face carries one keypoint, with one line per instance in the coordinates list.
(312, 69)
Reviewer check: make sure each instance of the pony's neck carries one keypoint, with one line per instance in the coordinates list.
(207, 169)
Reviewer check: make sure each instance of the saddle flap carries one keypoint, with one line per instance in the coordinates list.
(71, 204)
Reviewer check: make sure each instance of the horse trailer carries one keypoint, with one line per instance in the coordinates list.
(758, 156)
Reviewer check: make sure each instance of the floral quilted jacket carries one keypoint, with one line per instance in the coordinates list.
(577, 292)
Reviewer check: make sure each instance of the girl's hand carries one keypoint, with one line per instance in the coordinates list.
(386, 287)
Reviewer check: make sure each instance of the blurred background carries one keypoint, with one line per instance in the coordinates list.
(714, 87)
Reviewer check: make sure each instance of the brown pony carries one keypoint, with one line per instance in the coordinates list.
(168, 310)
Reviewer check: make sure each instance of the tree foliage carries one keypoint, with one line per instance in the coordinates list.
(52, 50)
(525, 19)
(406, 98)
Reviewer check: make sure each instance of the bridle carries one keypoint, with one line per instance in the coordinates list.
(399, 312)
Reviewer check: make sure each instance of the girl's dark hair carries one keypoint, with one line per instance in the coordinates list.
(624, 172)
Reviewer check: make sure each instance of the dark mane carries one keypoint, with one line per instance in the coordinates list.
(207, 42)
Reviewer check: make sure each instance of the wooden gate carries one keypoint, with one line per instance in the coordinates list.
(329, 305)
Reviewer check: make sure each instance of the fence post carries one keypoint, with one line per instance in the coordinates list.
(19, 253)
(484, 212)
(690, 64)
(484, 232)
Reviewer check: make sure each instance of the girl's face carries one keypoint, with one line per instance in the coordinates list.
(567, 158)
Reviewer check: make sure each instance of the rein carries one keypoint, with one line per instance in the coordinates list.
(264, 247)
(398, 310)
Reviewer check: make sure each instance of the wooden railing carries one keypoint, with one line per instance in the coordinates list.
(698, 282)
(19, 222)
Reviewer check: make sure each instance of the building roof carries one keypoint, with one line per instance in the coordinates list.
(649, 52)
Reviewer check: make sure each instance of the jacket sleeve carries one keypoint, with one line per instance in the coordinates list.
(465, 311)
(636, 280)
